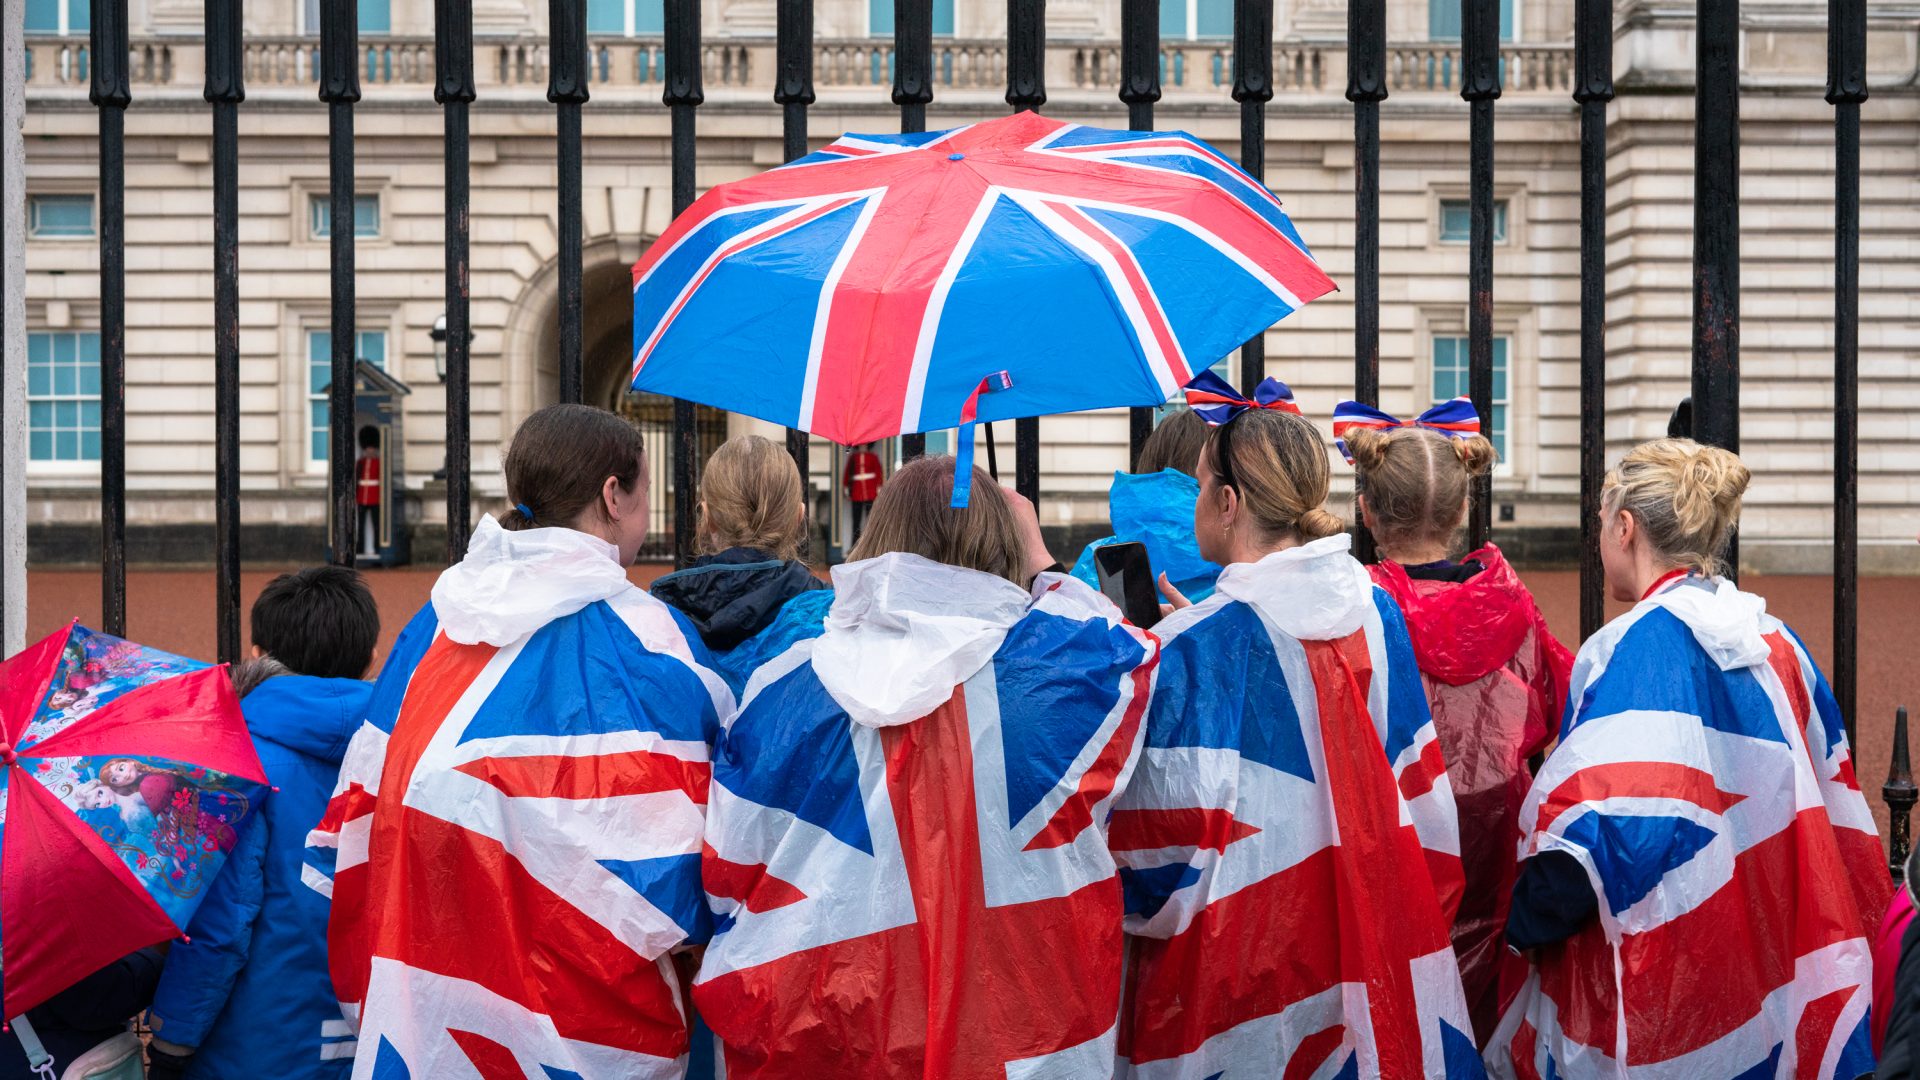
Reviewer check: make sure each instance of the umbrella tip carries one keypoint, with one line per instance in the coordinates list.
(275, 788)
(185, 940)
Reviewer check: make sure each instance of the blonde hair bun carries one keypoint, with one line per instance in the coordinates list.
(1319, 523)
(1685, 496)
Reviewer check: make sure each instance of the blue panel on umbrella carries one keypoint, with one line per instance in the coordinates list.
(1213, 304)
(754, 315)
(651, 303)
(1024, 294)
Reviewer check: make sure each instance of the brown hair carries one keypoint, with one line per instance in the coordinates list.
(750, 496)
(1416, 481)
(561, 458)
(1278, 465)
(913, 515)
(1685, 496)
(1175, 444)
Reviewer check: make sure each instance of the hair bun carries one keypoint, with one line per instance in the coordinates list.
(1368, 447)
(1476, 453)
(1318, 523)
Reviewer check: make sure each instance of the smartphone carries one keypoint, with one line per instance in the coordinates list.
(1127, 579)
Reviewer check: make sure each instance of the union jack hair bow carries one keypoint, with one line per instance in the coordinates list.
(1456, 419)
(1216, 401)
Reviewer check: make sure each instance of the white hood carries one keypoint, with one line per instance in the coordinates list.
(904, 631)
(1315, 592)
(1726, 622)
(513, 583)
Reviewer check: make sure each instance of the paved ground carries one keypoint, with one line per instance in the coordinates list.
(173, 609)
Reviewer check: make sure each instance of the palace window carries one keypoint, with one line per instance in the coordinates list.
(1450, 381)
(1189, 20)
(880, 18)
(626, 17)
(1456, 221)
(64, 217)
(57, 17)
(1443, 20)
(366, 216)
(376, 16)
(63, 396)
(368, 345)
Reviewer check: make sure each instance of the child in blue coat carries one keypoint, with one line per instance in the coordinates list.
(1154, 505)
(248, 994)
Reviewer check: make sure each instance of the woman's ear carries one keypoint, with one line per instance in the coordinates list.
(1360, 506)
(609, 498)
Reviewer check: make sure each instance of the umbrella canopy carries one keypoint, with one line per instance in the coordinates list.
(126, 772)
(867, 290)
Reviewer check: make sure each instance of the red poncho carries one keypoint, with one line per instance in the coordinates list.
(1497, 681)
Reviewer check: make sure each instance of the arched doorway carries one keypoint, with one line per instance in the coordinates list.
(606, 335)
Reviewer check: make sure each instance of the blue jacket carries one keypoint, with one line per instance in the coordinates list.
(251, 990)
(1156, 509)
(748, 607)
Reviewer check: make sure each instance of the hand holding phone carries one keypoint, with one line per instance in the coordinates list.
(1126, 578)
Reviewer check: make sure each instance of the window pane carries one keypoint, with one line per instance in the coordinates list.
(1456, 221)
(606, 16)
(66, 415)
(650, 17)
(66, 380)
(66, 446)
(1499, 220)
(1500, 431)
(375, 18)
(88, 344)
(90, 445)
(39, 348)
(40, 445)
(320, 217)
(311, 10)
(1215, 18)
(60, 215)
(317, 442)
(1173, 19)
(943, 18)
(90, 378)
(880, 17)
(63, 348)
(1443, 19)
(371, 345)
(366, 215)
(40, 416)
(319, 346)
(39, 380)
(79, 17)
(1506, 20)
(90, 416)
(43, 16)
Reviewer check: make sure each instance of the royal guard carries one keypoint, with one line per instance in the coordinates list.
(366, 493)
(861, 483)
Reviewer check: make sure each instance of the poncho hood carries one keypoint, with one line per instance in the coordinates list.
(1727, 623)
(513, 583)
(904, 631)
(307, 714)
(1315, 592)
(1461, 631)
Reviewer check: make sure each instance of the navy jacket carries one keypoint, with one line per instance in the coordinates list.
(251, 991)
(85, 1014)
(739, 601)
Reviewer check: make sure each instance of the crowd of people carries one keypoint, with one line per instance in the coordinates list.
(952, 815)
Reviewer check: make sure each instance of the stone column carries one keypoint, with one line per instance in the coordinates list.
(13, 336)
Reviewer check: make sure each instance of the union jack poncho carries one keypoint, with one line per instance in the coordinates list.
(907, 838)
(1703, 782)
(514, 844)
(1272, 842)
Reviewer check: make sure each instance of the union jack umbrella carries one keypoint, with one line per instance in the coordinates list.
(1017, 267)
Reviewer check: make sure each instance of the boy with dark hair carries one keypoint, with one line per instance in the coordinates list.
(248, 994)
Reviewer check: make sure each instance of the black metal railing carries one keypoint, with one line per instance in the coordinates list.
(1136, 70)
